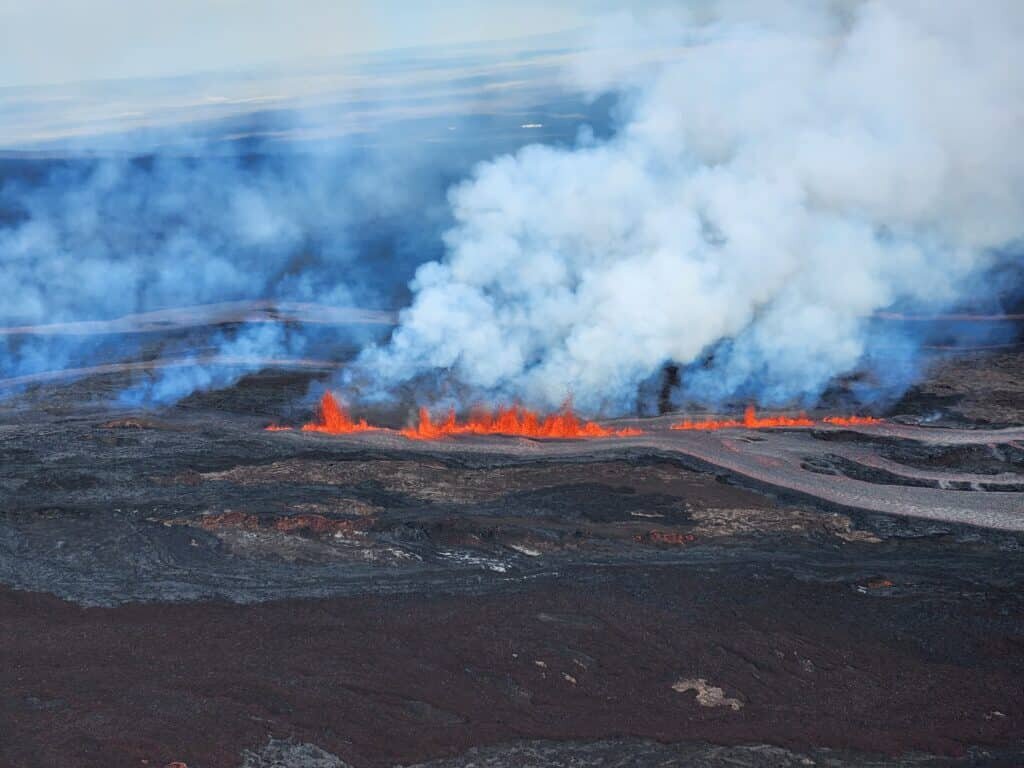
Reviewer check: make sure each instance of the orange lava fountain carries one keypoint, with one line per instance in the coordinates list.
(335, 420)
(520, 422)
(512, 421)
(751, 420)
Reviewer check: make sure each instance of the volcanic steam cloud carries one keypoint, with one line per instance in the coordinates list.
(783, 172)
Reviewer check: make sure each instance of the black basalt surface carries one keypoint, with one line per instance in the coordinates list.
(182, 585)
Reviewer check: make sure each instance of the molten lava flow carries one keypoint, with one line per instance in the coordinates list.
(520, 422)
(851, 421)
(751, 420)
(512, 421)
(334, 420)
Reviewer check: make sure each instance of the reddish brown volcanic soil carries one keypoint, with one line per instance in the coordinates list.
(381, 682)
(184, 586)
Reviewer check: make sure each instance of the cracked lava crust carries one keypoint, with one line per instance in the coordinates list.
(186, 586)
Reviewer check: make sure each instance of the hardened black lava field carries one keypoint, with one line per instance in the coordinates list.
(182, 585)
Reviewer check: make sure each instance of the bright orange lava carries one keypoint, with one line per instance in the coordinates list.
(851, 421)
(512, 421)
(335, 420)
(751, 420)
(520, 422)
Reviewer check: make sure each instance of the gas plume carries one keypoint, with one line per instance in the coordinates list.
(332, 201)
(784, 172)
(95, 239)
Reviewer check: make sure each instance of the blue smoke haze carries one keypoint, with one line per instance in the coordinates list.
(545, 238)
(261, 205)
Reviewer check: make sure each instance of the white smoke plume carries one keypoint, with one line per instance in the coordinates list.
(783, 173)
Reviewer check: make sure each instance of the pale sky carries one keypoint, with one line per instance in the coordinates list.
(56, 41)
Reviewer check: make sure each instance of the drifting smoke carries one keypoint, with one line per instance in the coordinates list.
(331, 201)
(790, 170)
(249, 345)
(100, 239)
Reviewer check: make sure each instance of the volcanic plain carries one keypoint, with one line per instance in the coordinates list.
(181, 584)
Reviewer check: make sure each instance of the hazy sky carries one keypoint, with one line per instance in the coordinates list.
(52, 41)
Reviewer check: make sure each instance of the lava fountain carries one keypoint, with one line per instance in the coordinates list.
(335, 419)
(515, 421)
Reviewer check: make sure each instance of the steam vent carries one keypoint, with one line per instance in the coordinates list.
(512, 385)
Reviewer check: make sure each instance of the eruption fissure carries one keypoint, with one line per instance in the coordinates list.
(515, 421)
(334, 419)
(751, 420)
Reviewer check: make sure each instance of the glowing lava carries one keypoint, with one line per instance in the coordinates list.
(851, 421)
(335, 420)
(751, 420)
(512, 421)
(566, 425)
